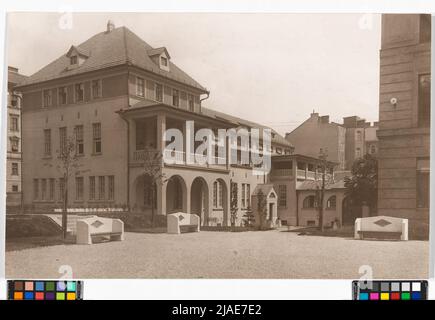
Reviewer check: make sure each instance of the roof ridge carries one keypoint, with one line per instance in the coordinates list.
(127, 57)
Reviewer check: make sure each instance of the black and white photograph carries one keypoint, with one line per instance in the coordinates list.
(177, 145)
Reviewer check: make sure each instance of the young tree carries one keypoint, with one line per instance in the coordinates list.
(320, 191)
(249, 217)
(152, 172)
(361, 186)
(67, 166)
(261, 207)
(233, 203)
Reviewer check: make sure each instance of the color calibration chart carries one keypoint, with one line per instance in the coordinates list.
(45, 290)
(390, 290)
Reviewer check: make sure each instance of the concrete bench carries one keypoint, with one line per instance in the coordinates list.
(97, 227)
(381, 227)
(182, 222)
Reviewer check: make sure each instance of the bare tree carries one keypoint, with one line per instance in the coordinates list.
(68, 165)
(152, 172)
(320, 192)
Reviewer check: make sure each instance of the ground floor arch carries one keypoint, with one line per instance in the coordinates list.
(199, 199)
(176, 194)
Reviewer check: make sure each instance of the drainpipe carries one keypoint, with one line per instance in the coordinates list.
(128, 159)
(201, 100)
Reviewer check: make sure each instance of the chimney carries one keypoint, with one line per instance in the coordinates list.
(324, 119)
(110, 26)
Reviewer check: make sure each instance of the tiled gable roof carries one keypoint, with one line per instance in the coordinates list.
(277, 138)
(106, 49)
(314, 185)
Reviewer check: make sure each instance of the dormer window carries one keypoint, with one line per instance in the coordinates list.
(73, 60)
(160, 57)
(164, 61)
(76, 57)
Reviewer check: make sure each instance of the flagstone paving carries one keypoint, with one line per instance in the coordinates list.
(208, 254)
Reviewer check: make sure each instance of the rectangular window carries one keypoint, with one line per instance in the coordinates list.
(80, 149)
(282, 195)
(15, 142)
(51, 189)
(96, 89)
(358, 153)
(96, 134)
(14, 188)
(158, 92)
(248, 195)
(62, 140)
(79, 188)
(46, 98)
(424, 100)
(243, 195)
(79, 92)
(44, 189)
(73, 60)
(47, 142)
(175, 98)
(14, 125)
(111, 194)
(190, 102)
(61, 189)
(164, 61)
(15, 171)
(101, 188)
(423, 189)
(140, 87)
(91, 188)
(35, 189)
(215, 193)
(62, 92)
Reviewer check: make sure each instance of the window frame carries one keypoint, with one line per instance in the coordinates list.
(100, 89)
(97, 139)
(47, 142)
(62, 91)
(80, 142)
(79, 85)
(282, 201)
(142, 88)
(156, 97)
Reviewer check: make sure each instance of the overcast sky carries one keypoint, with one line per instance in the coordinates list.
(270, 68)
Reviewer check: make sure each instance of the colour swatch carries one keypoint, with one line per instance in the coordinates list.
(45, 290)
(387, 290)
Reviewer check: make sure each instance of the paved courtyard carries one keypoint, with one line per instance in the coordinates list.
(267, 254)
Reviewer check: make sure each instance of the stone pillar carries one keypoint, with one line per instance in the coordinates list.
(161, 128)
(161, 199)
(187, 205)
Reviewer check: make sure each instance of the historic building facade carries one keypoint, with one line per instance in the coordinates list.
(344, 142)
(13, 163)
(297, 180)
(404, 119)
(115, 96)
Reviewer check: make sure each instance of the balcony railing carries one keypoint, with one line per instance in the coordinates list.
(179, 158)
(281, 172)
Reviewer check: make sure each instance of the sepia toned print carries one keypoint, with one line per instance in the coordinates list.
(123, 165)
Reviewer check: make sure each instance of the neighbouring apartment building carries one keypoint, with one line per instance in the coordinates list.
(297, 180)
(404, 119)
(13, 163)
(344, 142)
(115, 96)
